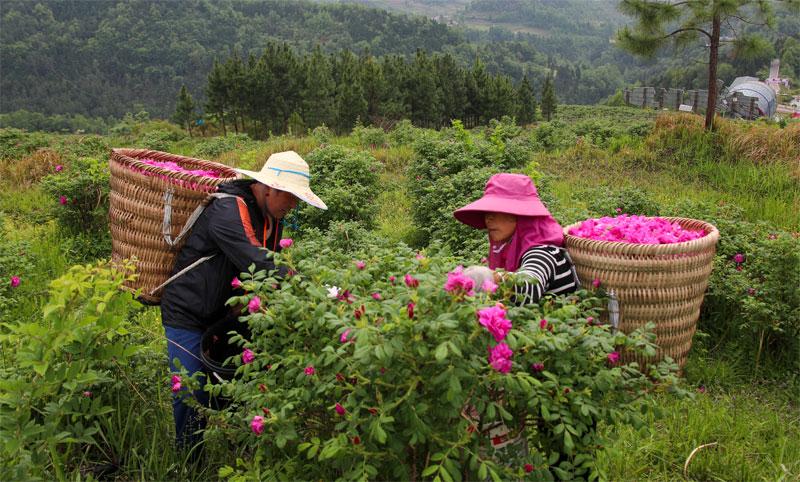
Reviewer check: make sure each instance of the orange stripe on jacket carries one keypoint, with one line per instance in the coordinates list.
(244, 214)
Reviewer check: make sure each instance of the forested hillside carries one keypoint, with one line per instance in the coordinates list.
(106, 58)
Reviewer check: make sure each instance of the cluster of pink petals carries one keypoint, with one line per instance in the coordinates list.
(257, 425)
(411, 281)
(613, 357)
(410, 310)
(310, 370)
(254, 305)
(494, 319)
(340, 409)
(236, 283)
(489, 286)
(172, 166)
(458, 282)
(635, 229)
(59, 168)
(360, 264)
(62, 200)
(500, 358)
(15, 281)
(343, 336)
(248, 356)
(286, 243)
(176, 383)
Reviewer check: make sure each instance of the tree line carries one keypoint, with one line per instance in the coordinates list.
(283, 91)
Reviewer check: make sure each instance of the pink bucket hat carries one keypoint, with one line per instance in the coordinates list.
(504, 193)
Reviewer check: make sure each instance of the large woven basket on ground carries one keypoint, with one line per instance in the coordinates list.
(139, 194)
(659, 283)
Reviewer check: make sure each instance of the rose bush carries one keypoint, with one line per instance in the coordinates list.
(406, 385)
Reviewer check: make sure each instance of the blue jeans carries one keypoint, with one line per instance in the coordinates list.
(188, 422)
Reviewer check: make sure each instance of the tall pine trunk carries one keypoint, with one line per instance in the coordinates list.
(712, 73)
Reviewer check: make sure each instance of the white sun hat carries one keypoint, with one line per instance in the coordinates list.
(287, 171)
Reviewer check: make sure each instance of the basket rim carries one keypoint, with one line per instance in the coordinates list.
(619, 247)
(130, 157)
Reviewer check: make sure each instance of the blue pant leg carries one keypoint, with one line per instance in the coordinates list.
(187, 420)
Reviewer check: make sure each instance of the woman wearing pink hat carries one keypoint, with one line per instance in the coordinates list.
(523, 238)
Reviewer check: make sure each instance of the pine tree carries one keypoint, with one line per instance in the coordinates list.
(526, 102)
(319, 90)
(184, 110)
(549, 101)
(659, 23)
(217, 94)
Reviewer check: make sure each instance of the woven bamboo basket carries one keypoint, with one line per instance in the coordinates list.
(659, 283)
(136, 211)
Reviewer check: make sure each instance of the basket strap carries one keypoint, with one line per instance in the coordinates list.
(166, 226)
(181, 273)
(186, 227)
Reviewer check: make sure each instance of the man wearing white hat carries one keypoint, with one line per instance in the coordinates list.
(237, 231)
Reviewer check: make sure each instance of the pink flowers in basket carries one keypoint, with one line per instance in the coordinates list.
(175, 167)
(635, 229)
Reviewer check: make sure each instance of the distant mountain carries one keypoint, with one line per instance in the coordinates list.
(108, 57)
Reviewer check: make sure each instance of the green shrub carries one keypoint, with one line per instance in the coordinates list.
(84, 146)
(370, 137)
(57, 388)
(159, 140)
(213, 147)
(322, 134)
(754, 304)
(628, 200)
(16, 143)
(80, 206)
(416, 393)
(347, 181)
(403, 133)
(553, 136)
(15, 269)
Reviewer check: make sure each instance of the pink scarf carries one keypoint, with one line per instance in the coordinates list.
(531, 231)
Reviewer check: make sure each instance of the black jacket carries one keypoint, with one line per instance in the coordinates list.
(234, 230)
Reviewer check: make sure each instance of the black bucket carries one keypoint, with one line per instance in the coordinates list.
(216, 348)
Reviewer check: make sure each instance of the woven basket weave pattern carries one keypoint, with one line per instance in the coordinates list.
(659, 283)
(136, 210)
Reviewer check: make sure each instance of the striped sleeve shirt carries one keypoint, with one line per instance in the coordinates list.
(543, 270)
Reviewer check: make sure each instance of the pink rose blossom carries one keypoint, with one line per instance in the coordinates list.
(596, 282)
(528, 468)
(360, 264)
(537, 367)
(458, 282)
(87, 394)
(286, 243)
(254, 305)
(410, 310)
(15, 281)
(738, 267)
(343, 336)
(410, 281)
(590, 319)
(310, 370)
(392, 279)
(420, 256)
(738, 258)
(235, 283)
(751, 291)
(248, 356)
(176, 379)
(613, 357)
(176, 387)
(377, 296)
(489, 286)
(495, 321)
(59, 168)
(500, 358)
(62, 199)
(701, 389)
(542, 323)
(257, 425)
(627, 228)
(340, 409)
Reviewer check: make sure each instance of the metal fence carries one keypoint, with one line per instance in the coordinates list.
(695, 100)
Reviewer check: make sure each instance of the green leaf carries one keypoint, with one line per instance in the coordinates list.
(441, 351)
(430, 470)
